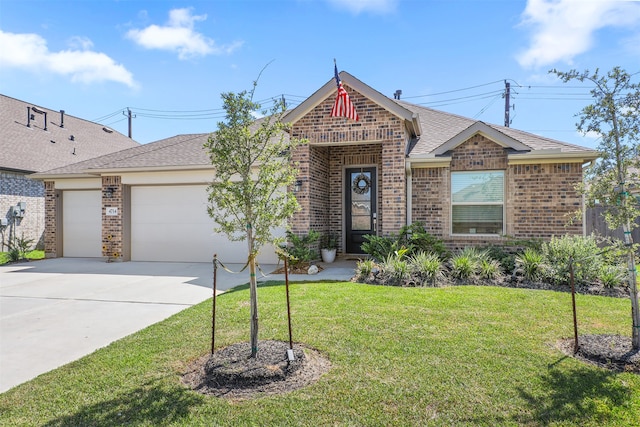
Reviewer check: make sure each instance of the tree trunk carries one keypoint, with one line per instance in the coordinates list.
(633, 288)
(253, 293)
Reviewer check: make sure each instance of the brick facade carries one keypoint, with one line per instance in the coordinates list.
(15, 188)
(51, 202)
(112, 224)
(539, 198)
(377, 139)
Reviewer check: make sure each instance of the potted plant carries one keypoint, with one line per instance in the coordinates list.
(328, 248)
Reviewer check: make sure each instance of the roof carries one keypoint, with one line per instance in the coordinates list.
(434, 133)
(442, 131)
(26, 146)
(178, 152)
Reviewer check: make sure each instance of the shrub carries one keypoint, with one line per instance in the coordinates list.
(364, 268)
(530, 264)
(583, 250)
(302, 248)
(396, 267)
(413, 238)
(611, 275)
(428, 267)
(19, 247)
(466, 263)
(489, 269)
(417, 239)
(380, 247)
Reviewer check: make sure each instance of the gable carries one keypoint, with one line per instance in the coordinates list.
(370, 104)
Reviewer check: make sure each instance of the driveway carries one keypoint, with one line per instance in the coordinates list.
(55, 311)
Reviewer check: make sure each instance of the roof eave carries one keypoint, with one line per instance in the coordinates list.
(551, 156)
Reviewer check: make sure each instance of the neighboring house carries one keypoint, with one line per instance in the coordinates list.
(33, 139)
(467, 181)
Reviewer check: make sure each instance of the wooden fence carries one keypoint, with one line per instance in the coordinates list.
(595, 223)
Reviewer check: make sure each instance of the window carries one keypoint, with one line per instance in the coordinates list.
(477, 202)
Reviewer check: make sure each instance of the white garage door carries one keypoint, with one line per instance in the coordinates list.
(82, 223)
(171, 223)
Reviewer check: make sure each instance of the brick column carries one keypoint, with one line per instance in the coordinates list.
(112, 213)
(50, 220)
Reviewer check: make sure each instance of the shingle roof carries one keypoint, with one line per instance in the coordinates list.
(187, 151)
(31, 148)
(176, 152)
(439, 127)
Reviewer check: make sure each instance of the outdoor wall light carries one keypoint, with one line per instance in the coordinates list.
(298, 186)
(109, 192)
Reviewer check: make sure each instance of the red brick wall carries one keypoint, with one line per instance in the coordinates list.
(50, 219)
(543, 199)
(539, 198)
(112, 226)
(378, 138)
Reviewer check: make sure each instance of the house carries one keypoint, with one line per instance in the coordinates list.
(469, 182)
(33, 139)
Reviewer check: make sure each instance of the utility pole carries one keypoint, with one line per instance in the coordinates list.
(507, 101)
(129, 117)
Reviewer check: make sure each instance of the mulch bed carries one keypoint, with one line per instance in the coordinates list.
(612, 352)
(230, 372)
(302, 268)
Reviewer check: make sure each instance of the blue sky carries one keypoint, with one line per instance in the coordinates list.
(168, 61)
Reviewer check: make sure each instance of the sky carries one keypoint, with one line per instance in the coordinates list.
(168, 61)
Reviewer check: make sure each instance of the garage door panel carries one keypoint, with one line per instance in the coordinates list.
(82, 223)
(171, 223)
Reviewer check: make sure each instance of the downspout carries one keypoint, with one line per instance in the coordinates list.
(407, 166)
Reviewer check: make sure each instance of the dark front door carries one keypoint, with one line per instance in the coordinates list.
(360, 202)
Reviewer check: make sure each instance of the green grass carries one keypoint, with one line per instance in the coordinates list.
(4, 256)
(400, 356)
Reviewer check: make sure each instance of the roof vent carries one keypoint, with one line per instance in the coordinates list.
(29, 117)
(35, 110)
(107, 130)
(397, 93)
(62, 119)
(72, 138)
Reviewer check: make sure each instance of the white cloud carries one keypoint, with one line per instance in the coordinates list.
(563, 29)
(178, 35)
(30, 51)
(358, 6)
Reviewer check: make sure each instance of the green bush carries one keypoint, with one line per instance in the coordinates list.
(611, 275)
(530, 264)
(302, 248)
(18, 248)
(466, 263)
(428, 267)
(585, 253)
(489, 269)
(364, 268)
(413, 238)
(417, 239)
(396, 267)
(380, 247)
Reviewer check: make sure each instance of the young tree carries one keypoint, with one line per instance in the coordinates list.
(614, 117)
(248, 196)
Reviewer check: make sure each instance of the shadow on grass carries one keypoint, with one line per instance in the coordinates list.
(150, 404)
(578, 396)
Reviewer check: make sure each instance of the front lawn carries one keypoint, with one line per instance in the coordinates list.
(400, 356)
(32, 255)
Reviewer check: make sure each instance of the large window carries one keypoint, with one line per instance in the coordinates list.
(477, 202)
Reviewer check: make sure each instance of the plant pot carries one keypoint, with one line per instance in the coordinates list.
(328, 255)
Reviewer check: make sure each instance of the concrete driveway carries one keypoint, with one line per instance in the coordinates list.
(55, 311)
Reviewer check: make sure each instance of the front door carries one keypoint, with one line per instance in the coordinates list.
(360, 202)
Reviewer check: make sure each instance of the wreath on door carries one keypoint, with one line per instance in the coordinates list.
(361, 184)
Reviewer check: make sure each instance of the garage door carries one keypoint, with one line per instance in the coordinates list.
(171, 223)
(82, 223)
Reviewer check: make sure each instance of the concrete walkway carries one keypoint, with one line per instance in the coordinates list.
(55, 311)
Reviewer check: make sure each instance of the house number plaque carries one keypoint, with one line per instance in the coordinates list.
(112, 211)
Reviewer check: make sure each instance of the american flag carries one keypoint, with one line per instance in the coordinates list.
(343, 106)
